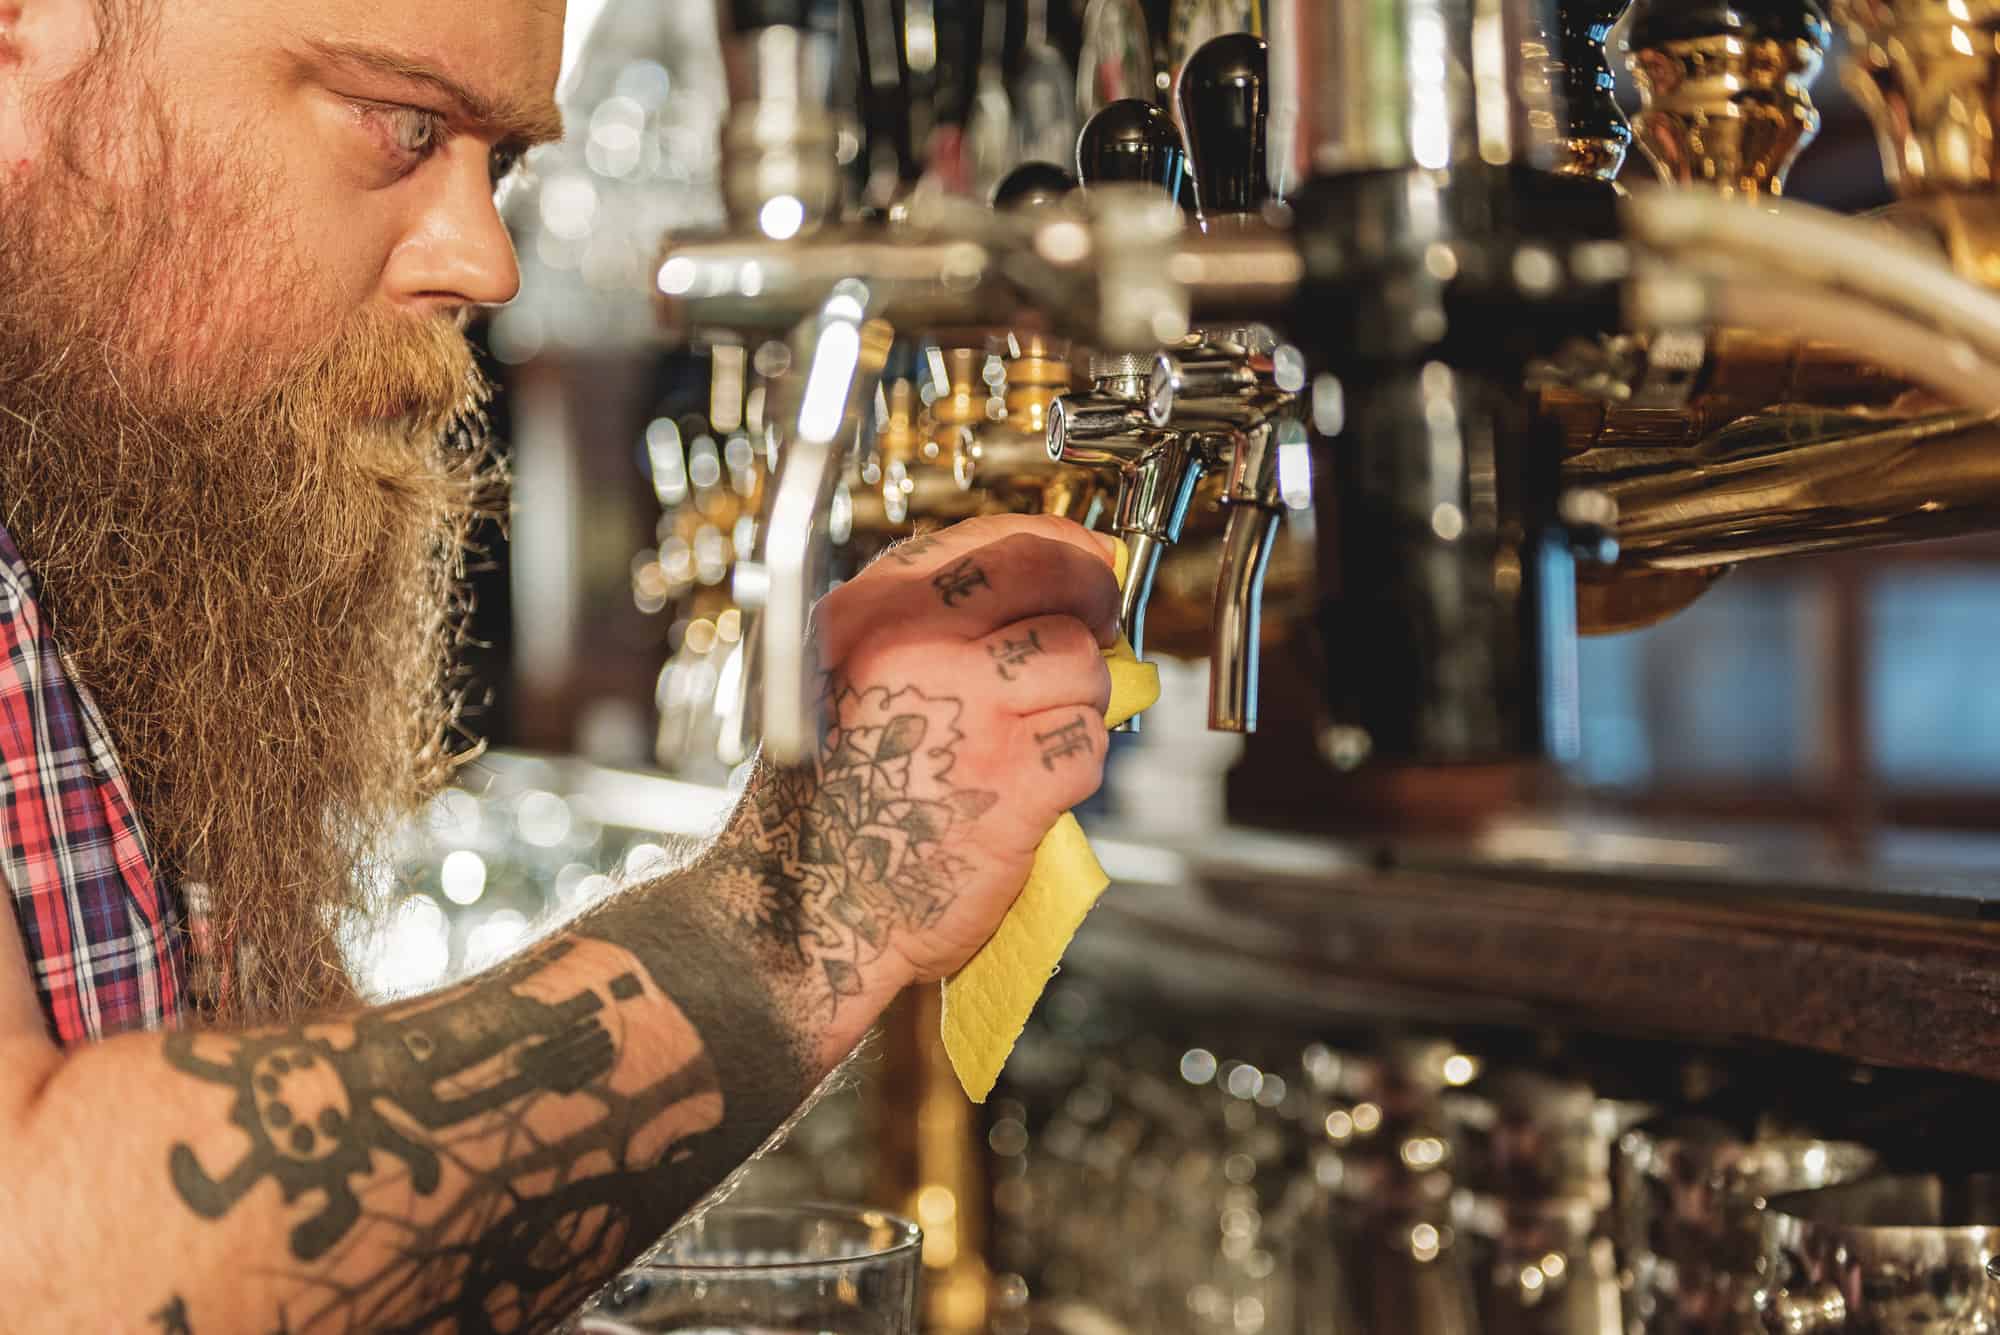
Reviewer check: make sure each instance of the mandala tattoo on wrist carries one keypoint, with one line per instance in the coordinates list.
(829, 861)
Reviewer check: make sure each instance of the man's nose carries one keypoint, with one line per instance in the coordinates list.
(457, 252)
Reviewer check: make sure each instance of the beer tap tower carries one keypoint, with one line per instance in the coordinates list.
(1488, 338)
(1533, 395)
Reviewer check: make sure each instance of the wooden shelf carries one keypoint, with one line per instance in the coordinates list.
(1889, 975)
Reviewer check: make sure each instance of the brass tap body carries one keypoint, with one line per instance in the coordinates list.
(1007, 460)
(900, 486)
(1725, 89)
(1928, 74)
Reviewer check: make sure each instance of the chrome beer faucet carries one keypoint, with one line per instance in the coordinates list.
(1233, 390)
(1209, 401)
(1236, 383)
(1112, 428)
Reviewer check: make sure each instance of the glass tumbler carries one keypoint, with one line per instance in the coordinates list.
(781, 1270)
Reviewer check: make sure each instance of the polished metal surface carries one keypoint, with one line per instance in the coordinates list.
(1595, 134)
(1798, 480)
(778, 146)
(1535, 1169)
(1157, 472)
(1892, 1256)
(1234, 384)
(1662, 399)
(1929, 75)
(842, 352)
(1423, 83)
(1690, 1225)
(1725, 89)
(1236, 624)
(1008, 458)
(756, 282)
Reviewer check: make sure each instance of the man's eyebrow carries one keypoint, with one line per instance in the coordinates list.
(516, 122)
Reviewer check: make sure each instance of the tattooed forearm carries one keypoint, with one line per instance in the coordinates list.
(1070, 740)
(482, 1159)
(1009, 656)
(829, 861)
(959, 581)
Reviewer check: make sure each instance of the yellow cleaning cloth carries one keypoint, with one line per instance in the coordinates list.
(987, 1003)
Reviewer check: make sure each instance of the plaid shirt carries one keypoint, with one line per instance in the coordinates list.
(103, 931)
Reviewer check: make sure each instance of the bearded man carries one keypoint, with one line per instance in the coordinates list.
(238, 459)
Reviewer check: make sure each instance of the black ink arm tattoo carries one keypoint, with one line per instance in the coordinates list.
(482, 1159)
(477, 1160)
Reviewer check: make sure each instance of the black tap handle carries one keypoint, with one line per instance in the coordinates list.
(1656, 23)
(1131, 140)
(1225, 102)
(749, 15)
(1031, 185)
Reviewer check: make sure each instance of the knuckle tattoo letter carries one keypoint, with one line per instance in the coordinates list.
(959, 581)
(1010, 655)
(1070, 740)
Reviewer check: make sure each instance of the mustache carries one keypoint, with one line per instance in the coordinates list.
(417, 371)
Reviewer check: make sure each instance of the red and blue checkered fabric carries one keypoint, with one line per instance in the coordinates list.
(103, 933)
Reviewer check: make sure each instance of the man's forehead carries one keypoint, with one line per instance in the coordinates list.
(509, 52)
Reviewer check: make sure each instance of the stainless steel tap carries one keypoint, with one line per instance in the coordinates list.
(781, 179)
(1233, 388)
(1234, 382)
(823, 409)
(1115, 429)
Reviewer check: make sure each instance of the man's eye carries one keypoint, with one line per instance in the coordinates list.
(412, 134)
(415, 130)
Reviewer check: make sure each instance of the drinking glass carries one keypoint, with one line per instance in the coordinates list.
(788, 1270)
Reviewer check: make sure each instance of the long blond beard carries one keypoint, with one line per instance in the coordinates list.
(255, 573)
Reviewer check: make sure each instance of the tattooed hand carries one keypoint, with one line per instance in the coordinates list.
(963, 713)
(479, 1159)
